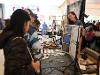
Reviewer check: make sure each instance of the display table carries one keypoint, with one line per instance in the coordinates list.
(57, 62)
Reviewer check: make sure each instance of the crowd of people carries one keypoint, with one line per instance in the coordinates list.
(91, 36)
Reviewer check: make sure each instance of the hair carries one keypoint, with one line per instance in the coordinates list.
(18, 18)
(36, 23)
(69, 21)
(32, 14)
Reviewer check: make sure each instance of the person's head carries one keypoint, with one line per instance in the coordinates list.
(19, 22)
(71, 17)
(36, 24)
(32, 15)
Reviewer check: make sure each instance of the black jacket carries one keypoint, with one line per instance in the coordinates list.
(17, 57)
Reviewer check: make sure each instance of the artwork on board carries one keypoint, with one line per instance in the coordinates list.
(70, 38)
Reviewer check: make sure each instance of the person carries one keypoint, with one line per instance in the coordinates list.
(33, 17)
(72, 19)
(54, 24)
(18, 58)
(44, 28)
(34, 40)
(32, 35)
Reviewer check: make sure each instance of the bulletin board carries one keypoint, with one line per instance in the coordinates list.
(72, 39)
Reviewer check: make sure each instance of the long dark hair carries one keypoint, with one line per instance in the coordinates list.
(18, 18)
(69, 21)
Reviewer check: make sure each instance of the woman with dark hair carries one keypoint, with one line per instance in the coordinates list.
(18, 59)
(72, 19)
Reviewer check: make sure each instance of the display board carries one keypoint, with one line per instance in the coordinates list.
(74, 40)
(71, 38)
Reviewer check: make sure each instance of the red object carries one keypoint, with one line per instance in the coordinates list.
(89, 36)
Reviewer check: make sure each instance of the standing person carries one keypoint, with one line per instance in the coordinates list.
(44, 28)
(54, 24)
(33, 17)
(34, 40)
(18, 59)
(31, 30)
(32, 37)
(72, 19)
(53, 27)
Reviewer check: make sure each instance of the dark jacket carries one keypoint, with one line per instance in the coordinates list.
(17, 57)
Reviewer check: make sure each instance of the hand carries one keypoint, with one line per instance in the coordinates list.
(36, 66)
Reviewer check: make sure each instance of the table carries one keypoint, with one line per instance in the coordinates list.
(58, 62)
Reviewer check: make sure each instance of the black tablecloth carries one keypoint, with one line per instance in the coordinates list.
(59, 63)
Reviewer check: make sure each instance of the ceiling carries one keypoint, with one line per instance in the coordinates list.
(46, 7)
(93, 1)
(93, 7)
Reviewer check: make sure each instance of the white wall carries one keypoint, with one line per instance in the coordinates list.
(47, 7)
(93, 9)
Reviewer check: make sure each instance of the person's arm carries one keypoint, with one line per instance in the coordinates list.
(21, 59)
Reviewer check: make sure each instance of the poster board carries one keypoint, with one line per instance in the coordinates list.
(73, 38)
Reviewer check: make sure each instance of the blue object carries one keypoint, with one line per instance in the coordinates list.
(67, 39)
(44, 28)
(69, 29)
(31, 30)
